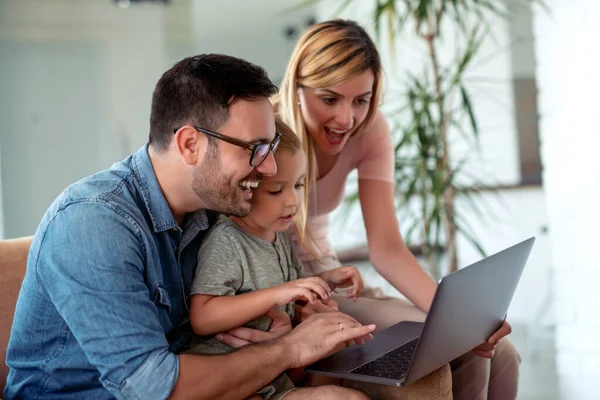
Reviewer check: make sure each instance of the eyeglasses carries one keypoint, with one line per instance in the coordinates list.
(259, 151)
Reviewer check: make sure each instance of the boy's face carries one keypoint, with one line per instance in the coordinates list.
(277, 198)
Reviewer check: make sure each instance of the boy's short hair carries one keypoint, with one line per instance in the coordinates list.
(289, 140)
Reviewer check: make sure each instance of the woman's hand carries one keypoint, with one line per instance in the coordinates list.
(344, 277)
(487, 349)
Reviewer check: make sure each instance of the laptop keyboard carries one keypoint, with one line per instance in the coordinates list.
(393, 364)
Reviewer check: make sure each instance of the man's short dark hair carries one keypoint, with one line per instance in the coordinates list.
(199, 91)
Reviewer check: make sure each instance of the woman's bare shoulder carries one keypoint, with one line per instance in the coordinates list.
(378, 125)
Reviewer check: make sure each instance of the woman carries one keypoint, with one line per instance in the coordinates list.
(330, 97)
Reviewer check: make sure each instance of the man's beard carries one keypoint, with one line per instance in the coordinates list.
(214, 189)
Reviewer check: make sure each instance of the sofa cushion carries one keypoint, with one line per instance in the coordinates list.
(13, 262)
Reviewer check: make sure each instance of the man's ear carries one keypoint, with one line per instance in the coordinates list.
(189, 144)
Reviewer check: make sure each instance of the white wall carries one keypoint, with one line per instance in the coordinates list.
(136, 45)
(52, 119)
(133, 39)
(131, 60)
(253, 30)
(568, 80)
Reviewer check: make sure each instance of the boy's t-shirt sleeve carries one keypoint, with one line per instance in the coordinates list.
(219, 271)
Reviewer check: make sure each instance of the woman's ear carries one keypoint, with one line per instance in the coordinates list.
(299, 95)
(190, 146)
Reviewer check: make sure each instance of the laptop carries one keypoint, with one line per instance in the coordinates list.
(468, 307)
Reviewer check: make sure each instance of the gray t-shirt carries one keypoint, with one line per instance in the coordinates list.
(232, 261)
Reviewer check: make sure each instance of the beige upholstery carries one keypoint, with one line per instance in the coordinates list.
(435, 386)
(13, 261)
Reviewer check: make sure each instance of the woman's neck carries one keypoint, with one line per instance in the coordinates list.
(325, 162)
(253, 229)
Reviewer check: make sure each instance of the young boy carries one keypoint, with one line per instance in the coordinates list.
(247, 265)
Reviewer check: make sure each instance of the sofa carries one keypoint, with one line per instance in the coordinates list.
(13, 261)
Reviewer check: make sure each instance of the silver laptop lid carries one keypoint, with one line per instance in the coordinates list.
(468, 307)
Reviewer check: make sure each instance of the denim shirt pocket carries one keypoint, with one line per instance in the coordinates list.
(161, 297)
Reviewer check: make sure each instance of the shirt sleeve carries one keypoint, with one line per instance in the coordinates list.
(377, 158)
(103, 298)
(219, 271)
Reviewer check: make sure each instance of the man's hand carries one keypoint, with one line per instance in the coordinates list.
(322, 334)
(308, 289)
(344, 277)
(487, 349)
(242, 336)
(303, 312)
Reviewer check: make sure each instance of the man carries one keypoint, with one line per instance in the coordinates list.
(111, 264)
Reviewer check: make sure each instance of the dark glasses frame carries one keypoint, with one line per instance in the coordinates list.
(255, 148)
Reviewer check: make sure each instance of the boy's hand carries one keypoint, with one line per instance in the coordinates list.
(344, 277)
(309, 289)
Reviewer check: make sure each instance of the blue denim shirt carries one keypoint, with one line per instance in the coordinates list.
(108, 278)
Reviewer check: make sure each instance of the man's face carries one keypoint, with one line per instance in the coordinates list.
(225, 180)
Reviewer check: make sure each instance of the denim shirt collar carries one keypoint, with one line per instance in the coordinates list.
(158, 208)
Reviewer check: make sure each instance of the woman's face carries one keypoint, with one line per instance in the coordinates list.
(331, 114)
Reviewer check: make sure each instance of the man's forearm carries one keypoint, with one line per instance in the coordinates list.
(230, 376)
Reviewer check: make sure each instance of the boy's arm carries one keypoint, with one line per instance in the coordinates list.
(213, 314)
(219, 276)
(215, 306)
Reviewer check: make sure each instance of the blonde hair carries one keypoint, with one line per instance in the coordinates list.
(327, 54)
(289, 141)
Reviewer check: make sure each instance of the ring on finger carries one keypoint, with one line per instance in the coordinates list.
(341, 326)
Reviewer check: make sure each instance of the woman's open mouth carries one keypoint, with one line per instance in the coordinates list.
(335, 136)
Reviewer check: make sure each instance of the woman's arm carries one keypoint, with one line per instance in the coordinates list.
(387, 251)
